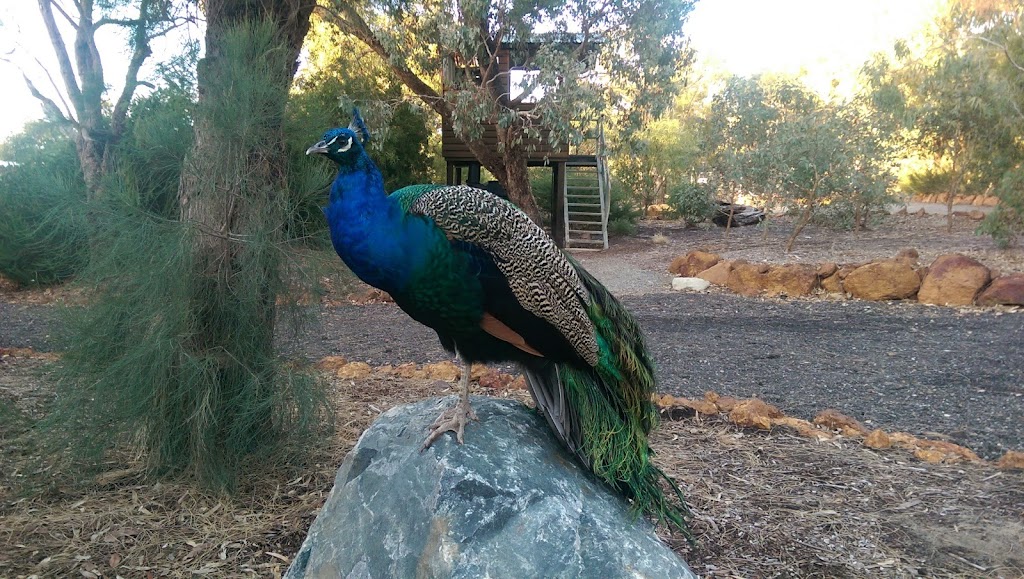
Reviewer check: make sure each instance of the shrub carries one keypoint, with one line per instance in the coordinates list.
(1006, 222)
(42, 231)
(692, 201)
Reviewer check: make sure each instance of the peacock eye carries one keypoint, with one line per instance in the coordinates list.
(346, 146)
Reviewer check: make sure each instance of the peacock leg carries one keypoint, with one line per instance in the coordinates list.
(455, 418)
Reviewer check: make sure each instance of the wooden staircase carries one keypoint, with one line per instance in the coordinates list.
(587, 199)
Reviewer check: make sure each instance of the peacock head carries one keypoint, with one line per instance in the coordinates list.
(340, 145)
(343, 145)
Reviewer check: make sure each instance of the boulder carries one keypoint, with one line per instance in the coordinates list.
(827, 269)
(746, 278)
(883, 280)
(693, 263)
(833, 284)
(1005, 290)
(511, 502)
(693, 284)
(794, 279)
(908, 255)
(717, 274)
(953, 280)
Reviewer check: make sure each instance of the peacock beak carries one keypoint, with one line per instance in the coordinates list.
(320, 147)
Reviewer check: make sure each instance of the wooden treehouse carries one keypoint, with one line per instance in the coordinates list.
(579, 175)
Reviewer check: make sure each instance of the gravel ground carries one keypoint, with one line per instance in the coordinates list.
(926, 370)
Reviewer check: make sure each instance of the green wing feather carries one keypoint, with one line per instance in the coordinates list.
(615, 411)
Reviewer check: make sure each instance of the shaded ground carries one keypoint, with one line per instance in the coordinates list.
(766, 505)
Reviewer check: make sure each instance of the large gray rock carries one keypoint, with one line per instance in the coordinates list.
(508, 503)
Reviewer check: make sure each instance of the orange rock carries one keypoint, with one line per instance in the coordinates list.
(795, 279)
(700, 406)
(518, 384)
(835, 420)
(883, 280)
(446, 371)
(409, 370)
(331, 362)
(903, 439)
(724, 403)
(1013, 459)
(827, 269)
(717, 274)
(494, 380)
(746, 278)
(908, 256)
(1004, 290)
(950, 452)
(693, 263)
(664, 400)
(354, 371)
(802, 427)
(930, 455)
(369, 296)
(878, 439)
(953, 279)
(754, 413)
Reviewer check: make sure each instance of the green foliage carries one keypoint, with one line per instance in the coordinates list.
(448, 58)
(962, 99)
(1006, 221)
(772, 138)
(157, 139)
(175, 353)
(42, 193)
(654, 163)
(692, 201)
(622, 213)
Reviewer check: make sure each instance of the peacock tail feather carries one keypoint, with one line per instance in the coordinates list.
(615, 411)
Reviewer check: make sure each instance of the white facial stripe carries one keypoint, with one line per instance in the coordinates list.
(347, 146)
(331, 142)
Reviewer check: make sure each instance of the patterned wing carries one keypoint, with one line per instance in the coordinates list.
(541, 278)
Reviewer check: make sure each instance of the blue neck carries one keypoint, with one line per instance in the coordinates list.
(370, 231)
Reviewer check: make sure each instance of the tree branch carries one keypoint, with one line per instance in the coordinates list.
(67, 73)
(140, 53)
(349, 21)
(1006, 51)
(66, 16)
(50, 108)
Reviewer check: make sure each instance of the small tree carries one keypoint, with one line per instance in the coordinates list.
(774, 138)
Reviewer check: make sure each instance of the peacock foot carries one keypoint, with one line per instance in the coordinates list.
(452, 420)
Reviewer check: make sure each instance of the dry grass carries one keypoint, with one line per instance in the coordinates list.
(766, 505)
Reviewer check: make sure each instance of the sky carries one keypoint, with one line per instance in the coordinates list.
(825, 38)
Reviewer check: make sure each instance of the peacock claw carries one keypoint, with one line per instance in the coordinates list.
(454, 420)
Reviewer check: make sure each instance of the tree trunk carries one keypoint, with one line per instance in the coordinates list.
(517, 182)
(229, 183)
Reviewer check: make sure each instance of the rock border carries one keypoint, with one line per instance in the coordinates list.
(950, 280)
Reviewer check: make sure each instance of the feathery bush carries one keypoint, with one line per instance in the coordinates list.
(175, 355)
(42, 234)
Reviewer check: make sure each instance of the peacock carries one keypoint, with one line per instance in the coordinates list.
(496, 288)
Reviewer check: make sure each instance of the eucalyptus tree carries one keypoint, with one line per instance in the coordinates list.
(580, 59)
(773, 138)
(81, 97)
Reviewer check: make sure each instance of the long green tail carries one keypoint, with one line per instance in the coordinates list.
(604, 414)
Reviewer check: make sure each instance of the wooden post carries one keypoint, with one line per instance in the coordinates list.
(558, 203)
